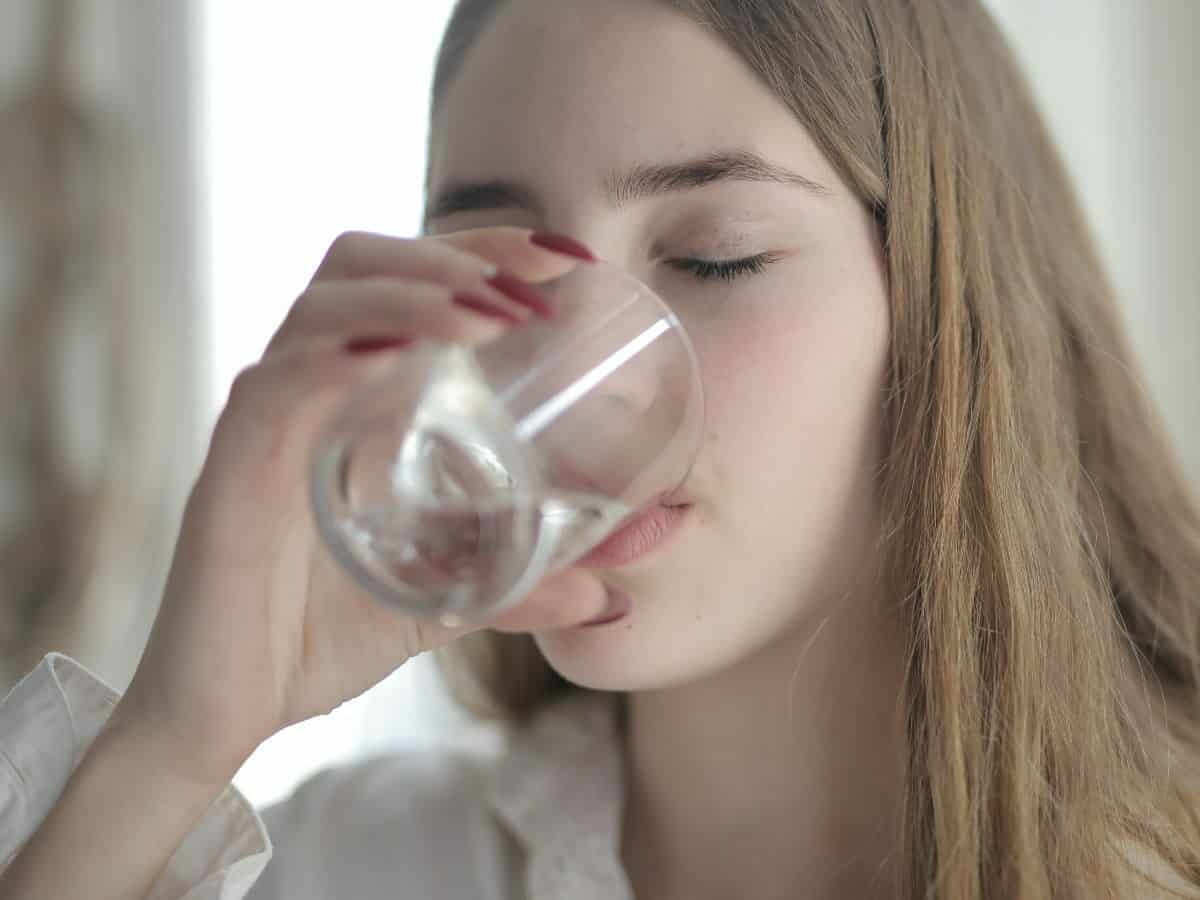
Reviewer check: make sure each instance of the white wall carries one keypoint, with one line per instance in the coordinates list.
(314, 122)
(133, 75)
(1118, 80)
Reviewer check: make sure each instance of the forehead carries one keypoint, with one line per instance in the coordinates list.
(557, 89)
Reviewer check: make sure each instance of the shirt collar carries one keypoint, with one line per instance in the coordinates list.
(560, 789)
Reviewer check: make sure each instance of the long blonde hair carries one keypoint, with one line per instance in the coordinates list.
(1037, 525)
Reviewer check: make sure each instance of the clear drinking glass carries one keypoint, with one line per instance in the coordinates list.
(455, 483)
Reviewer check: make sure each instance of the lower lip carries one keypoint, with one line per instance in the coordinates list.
(636, 538)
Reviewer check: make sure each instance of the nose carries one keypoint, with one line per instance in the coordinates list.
(608, 383)
(600, 355)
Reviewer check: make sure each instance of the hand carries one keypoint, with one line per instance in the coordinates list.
(259, 628)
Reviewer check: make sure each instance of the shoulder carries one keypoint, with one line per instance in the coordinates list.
(417, 817)
(397, 785)
(454, 822)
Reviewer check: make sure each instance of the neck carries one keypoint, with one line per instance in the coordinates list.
(784, 770)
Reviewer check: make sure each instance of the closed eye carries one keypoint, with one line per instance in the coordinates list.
(724, 270)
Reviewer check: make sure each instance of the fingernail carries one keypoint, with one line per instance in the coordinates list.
(478, 304)
(521, 292)
(364, 346)
(560, 243)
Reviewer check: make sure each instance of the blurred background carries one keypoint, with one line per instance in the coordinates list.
(171, 173)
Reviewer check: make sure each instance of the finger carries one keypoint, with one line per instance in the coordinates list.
(475, 252)
(513, 250)
(278, 404)
(364, 254)
(338, 311)
(564, 600)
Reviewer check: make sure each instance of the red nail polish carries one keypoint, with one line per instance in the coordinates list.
(523, 293)
(478, 304)
(364, 346)
(560, 243)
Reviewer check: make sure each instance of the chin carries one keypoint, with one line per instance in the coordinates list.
(674, 638)
(601, 658)
(630, 655)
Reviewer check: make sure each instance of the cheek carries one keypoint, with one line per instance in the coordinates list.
(794, 386)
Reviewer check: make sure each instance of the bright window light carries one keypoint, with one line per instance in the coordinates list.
(313, 122)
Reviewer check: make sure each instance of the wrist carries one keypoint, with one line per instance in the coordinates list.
(125, 810)
(195, 763)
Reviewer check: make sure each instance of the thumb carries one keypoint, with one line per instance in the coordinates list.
(569, 598)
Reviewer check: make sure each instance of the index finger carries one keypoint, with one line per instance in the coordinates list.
(365, 254)
(512, 249)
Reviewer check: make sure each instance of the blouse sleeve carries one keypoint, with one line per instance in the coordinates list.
(48, 722)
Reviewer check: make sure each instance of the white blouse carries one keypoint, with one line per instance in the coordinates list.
(542, 822)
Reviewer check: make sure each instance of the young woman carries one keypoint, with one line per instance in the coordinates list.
(928, 625)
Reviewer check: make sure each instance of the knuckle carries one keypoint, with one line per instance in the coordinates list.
(346, 243)
(244, 386)
(251, 401)
(275, 412)
(257, 388)
(299, 309)
(355, 254)
(294, 324)
(283, 392)
(347, 252)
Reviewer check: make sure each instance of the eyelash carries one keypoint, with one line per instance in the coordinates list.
(724, 270)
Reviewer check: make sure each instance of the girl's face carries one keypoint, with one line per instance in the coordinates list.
(564, 98)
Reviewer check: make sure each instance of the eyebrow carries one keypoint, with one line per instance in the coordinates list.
(626, 187)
